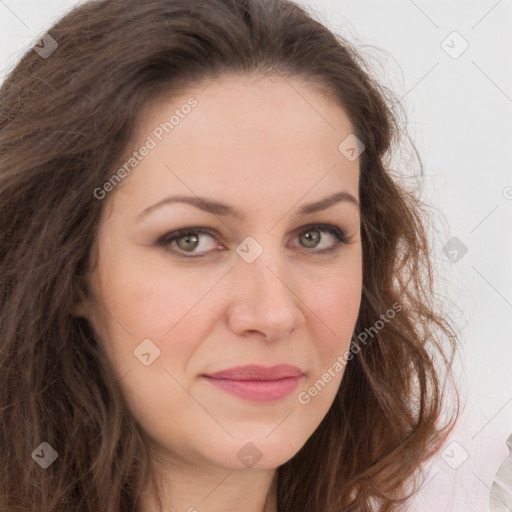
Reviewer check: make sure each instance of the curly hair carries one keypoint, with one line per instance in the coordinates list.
(65, 122)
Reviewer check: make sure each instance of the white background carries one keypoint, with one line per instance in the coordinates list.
(460, 118)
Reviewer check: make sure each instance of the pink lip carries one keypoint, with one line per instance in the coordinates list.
(258, 383)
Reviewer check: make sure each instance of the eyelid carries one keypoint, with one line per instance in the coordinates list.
(341, 238)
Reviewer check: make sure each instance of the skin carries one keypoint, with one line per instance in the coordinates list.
(266, 146)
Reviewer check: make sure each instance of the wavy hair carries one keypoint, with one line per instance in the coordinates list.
(65, 122)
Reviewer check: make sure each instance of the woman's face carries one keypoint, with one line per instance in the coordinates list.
(261, 288)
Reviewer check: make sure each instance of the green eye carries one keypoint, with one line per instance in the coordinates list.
(311, 239)
(187, 240)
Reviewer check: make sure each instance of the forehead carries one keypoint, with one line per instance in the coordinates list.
(246, 139)
(250, 110)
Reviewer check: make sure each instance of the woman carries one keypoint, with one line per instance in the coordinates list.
(214, 295)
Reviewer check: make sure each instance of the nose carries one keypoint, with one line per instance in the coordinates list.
(264, 300)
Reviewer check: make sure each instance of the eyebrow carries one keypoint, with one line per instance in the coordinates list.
(223, 209)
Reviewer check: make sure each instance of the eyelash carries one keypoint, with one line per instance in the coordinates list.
(340, 236)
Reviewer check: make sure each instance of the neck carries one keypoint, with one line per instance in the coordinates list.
(196, 488)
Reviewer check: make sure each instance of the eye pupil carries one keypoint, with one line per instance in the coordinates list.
(188, 239)
(312, 237)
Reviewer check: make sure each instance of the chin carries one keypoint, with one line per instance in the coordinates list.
(254, 453)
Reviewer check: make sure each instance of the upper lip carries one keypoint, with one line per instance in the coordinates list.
(255, 372)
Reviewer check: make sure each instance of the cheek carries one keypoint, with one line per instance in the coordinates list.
(332, 323)
(335, 308)
(147, 299)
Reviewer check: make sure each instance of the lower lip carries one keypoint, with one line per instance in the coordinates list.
(258, 390)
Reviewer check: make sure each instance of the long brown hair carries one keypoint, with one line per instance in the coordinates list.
(65, 121)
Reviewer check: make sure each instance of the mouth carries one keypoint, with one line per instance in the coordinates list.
(257, 383)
